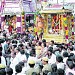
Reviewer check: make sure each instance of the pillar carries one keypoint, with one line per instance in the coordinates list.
(18, 24)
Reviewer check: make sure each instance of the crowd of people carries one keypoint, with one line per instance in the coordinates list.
(26, 54)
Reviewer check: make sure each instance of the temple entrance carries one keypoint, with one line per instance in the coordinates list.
(29, 21)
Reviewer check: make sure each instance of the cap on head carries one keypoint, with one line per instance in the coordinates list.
(45, 59)
(2, 66)
(31, 61)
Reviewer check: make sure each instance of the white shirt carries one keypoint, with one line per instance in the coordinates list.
(6, 28)
(23, 57)
(3, 44)
(18, 56)
(20, 74)
(52, 60)
(70, 70)
(54, 47)
(3, 61)
(45, 49)
(14, 62)
(24, 69)
(73, 52)
(61, 65)
(34, 58)
(65, 59)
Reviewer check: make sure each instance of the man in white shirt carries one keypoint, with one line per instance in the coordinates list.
(18, 54)
(13, 61)
(59, 62)
(3, 62)
(52, 44)
(51, 56)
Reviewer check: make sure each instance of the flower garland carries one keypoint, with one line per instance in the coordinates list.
(65, 26)
(72, 23)
(23, 20)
